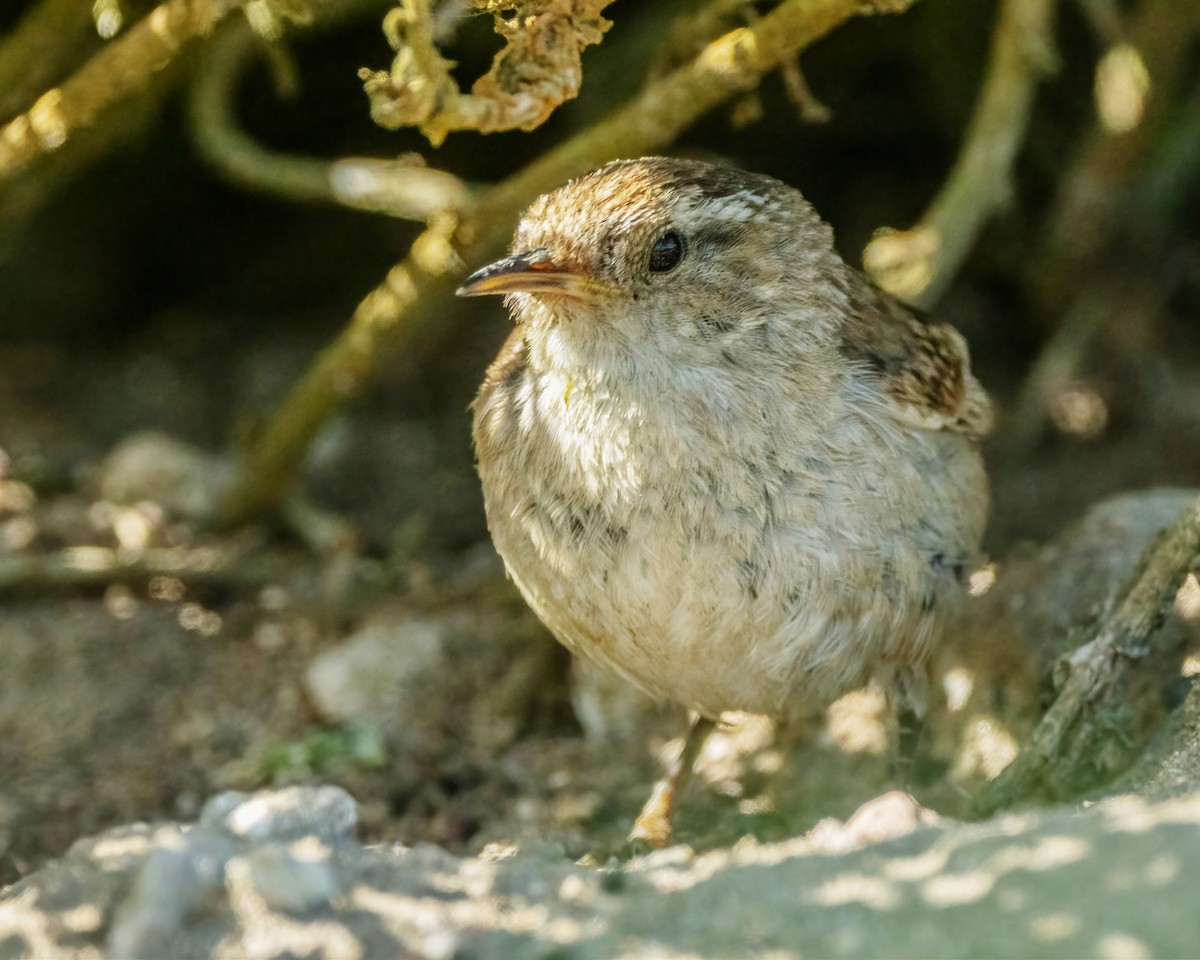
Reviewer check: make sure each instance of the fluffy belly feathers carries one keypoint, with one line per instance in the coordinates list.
(771, 588)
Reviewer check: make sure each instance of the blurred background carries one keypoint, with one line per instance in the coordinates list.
(155, 311)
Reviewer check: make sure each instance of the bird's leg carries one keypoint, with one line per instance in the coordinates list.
(653, 825)
(910, 724)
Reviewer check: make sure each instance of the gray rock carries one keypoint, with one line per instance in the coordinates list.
(1042, 606)
(1108, 880)
(381, 674)
(436, 680)
(295, 878)
(176, 874)
(153, 466)
(326, 812)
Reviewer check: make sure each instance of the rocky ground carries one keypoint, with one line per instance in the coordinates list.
(280, 873)
(477, 786)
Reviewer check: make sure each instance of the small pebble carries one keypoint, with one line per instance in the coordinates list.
(327, 812)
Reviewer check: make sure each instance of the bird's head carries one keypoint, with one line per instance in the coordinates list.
(679, 254)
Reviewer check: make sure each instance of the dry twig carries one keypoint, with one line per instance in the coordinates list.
(77, 568)
(404, 305)
(811, 109)
(1072, 743)
(538, 69)
(918, 264)
(394, 187)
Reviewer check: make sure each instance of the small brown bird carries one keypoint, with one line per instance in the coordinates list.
(715, 458)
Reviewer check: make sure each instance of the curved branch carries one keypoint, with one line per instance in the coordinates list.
(404, 305)
(393, 187)
(918, 264)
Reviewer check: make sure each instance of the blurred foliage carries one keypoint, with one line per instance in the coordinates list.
(324, 752)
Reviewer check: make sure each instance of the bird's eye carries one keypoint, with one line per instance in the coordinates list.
(666, 252)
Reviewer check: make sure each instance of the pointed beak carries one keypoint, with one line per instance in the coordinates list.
(532, 272)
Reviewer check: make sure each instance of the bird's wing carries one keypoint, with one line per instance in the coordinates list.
(924, 367)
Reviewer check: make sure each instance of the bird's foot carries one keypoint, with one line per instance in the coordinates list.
(652, 829)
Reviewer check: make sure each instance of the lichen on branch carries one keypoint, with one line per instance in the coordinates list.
(539, 68)
(118, 71)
